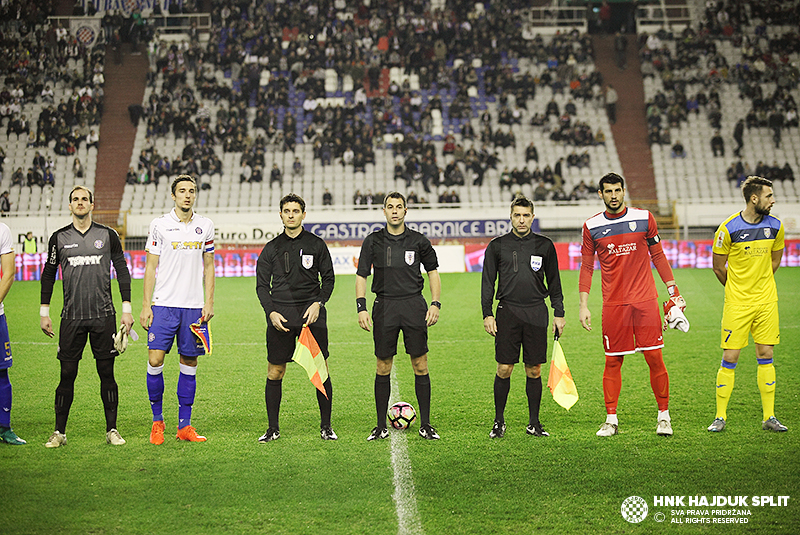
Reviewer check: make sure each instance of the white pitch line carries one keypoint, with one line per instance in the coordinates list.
(405, 500)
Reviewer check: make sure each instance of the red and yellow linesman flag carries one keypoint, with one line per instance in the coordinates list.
(308, 355)
(560, 380)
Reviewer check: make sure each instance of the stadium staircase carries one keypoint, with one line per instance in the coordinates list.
(630, 130)
(125, 84)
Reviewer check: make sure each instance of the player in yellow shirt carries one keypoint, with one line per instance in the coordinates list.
(748, 247)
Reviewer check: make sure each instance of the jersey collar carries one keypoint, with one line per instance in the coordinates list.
(174, 215)
(394, 236)
(289, 238)
(615, 216)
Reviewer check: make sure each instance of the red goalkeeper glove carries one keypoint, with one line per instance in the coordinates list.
(675, 299)
(673, 310)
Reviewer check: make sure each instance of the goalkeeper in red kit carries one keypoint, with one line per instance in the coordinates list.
(626, 240)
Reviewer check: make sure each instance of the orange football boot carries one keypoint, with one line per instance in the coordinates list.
(189, 433)
(157, 433)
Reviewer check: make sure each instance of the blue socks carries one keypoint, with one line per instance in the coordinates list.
(155, 391)
(5, 399)
(186, 388)
(187, 385)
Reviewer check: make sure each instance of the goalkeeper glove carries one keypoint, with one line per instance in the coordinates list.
(673, 311)
(121, 339)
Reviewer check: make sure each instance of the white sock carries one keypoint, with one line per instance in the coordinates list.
(664, 415)
(612, 419)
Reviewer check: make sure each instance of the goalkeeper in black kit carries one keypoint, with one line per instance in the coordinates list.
(525, 265)
(294, 280)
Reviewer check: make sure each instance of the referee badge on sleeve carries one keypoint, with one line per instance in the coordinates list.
(410, 258)
(536, 262)
(308, 261)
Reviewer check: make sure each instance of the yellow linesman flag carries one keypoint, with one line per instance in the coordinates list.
(560, 380)
(308, 355)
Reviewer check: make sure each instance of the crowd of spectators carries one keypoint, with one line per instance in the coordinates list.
(195, 159)
(46, 65)
(739, 171)
(449, 197)
(275, 55)
(692, 74)
(367, 199)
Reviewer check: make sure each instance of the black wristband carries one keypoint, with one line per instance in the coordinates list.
(361, 304)
(436, 304)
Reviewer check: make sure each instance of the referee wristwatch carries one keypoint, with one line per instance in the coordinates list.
(321, 304)
(436, 304)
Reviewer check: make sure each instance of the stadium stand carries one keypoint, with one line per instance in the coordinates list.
(267, 94)
(51, 101)
(343, 101)
(730, 67)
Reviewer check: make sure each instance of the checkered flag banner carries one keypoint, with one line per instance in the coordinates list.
(124, 6)
(128, 6)
(85, 29)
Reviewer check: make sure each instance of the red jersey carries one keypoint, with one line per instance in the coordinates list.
(624, 244)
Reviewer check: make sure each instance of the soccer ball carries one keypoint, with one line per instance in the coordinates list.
(401, 415)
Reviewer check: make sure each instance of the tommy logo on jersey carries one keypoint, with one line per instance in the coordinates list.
(410, 257)
(85, 260)
(307, 260)
(536, 262)
(177, 245)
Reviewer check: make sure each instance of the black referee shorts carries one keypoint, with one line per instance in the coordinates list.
(73, 333)
(390, 316)
(521, 326)
(281, 345)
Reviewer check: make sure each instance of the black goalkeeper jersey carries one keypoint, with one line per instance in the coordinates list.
(396, 261)
(85, 261)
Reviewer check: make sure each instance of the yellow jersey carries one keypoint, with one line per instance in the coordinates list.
(749, 248)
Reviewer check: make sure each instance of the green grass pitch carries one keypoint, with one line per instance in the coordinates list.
(466, 483)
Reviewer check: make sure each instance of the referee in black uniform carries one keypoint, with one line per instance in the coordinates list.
(396, 253)
(85, 251)
(527, 266)
(294, 280)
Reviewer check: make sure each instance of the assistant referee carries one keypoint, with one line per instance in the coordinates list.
(527, 265)
(294, 280)
(396, 253)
